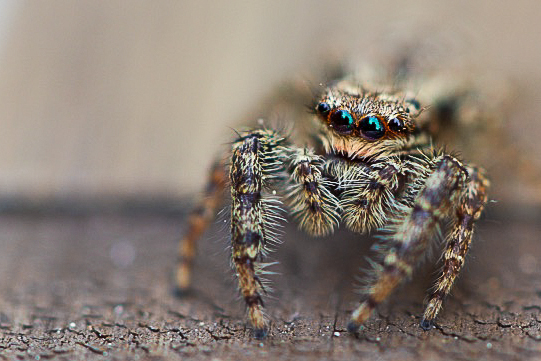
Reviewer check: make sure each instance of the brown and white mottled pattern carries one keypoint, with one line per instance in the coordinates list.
(371, 166)
(310, 199)
(255, 161)
(199, 221)
(470, 206)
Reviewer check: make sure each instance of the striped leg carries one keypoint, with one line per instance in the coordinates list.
(312, 203)
(199, 221)
(469, 210)
(411, 234)
(254, 162)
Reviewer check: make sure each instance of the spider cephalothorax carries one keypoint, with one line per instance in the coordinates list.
(359, 123)
(372, 167)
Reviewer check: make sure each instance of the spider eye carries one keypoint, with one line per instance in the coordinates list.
(413, 105)
(396, 124)
(323, 108)
(372, 127)
(342, 121)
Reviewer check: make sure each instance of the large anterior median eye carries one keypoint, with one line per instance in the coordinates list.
(372, 127)
(342, 121)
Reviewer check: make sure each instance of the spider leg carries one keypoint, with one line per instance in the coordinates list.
(254, 162)
(312, 204)
(471, 204)
(199, 220)
(411, 231)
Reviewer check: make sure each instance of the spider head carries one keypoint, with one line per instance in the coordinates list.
(359, 123)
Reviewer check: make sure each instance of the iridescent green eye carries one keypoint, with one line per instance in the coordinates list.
(372, 127)
(342, 121)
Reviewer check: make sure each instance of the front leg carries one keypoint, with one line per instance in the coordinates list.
(471, 204)
(411, 231)
(255, 161)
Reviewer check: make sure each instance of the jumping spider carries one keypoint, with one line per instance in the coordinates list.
(371, 166)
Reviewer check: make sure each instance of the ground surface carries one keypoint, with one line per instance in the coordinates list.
(98, 286)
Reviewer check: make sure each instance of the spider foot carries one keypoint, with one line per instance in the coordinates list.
(260, 333)
(353, 327)
(182, 292)
(426, 325)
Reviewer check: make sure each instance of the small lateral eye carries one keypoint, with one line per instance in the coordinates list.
(342, 121)
(396, 124)
(372, 127)
(323, 108)
(413, 105)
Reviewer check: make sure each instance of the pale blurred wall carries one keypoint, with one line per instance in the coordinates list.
(102, 98)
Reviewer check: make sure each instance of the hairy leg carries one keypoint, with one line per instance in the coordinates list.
(199, 221)
(410, 234)
(471, 204)
(255, 161)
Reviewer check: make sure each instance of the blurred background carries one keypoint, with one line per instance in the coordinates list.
(105, 100)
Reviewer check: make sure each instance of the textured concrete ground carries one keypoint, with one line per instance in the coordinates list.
(98, 286)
